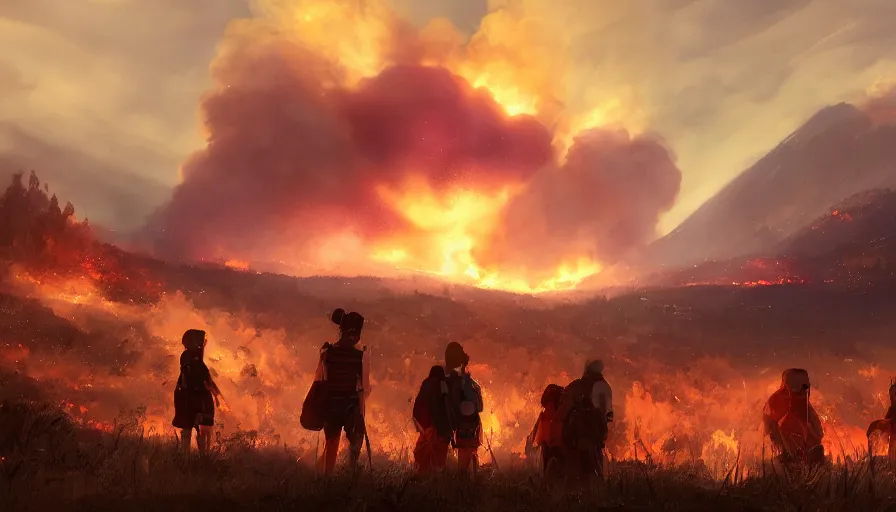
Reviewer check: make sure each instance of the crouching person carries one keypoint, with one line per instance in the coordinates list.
(791, 423)
(886, 426)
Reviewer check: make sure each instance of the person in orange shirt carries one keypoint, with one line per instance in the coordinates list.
(887, 426)
(548, 437)
(790, 421)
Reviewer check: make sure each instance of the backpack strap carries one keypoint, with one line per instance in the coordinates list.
(322, 362)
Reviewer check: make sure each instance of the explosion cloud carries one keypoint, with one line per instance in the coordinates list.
(396, 148)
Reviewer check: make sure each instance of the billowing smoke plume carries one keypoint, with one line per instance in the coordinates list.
(297, 154)
(605, 201)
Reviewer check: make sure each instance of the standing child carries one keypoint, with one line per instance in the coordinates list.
(196, 394)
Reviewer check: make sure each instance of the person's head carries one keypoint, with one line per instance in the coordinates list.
(350, 325)
(455, 357)
(594, 368)
(551, 395)
(437, 372)
(795, 380)
(194, 339)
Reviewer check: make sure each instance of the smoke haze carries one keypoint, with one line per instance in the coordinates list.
(722, 82)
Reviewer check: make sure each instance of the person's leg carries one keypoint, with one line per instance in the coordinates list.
(204, 439)
(354, 432)
(422, 455)
(332, 435)
(440, 452)
(185, 438)
(465, 459)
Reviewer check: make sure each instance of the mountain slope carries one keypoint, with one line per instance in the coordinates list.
(837, 153)
(854, 241)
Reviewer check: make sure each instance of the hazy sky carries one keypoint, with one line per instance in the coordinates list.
(110, 88)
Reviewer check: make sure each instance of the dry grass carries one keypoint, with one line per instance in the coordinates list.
(48, 463)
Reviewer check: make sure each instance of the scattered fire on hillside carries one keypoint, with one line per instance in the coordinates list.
(672, 415)
(106, 341)
(751, 273)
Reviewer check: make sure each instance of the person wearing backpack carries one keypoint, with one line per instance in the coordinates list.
(431, 420)
(790, 421)
(196, 395)
(345, 371)
(464, 407)
(585, 409)
(887, 426)
(546, 437)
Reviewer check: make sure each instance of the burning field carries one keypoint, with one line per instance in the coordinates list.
(343, 142)
(96, 331)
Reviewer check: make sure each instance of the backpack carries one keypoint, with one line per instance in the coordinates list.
(192, 373)
(471, 392)
(551, 395)
(430, 397)
(797, 433)
(584, 426)
(313, 415)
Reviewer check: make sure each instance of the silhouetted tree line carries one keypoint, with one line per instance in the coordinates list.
(35, 230)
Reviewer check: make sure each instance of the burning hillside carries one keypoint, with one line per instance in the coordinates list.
(341, 137)
(690, 367)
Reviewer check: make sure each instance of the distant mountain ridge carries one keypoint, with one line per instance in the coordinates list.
(838, 152)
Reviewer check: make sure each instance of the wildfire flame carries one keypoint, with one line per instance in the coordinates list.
(500, 83)
(711, 414)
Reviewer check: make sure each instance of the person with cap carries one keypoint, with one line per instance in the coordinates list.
(464, 407)
(347, 375)
(196, 395)
(790, 421)
(586, 407)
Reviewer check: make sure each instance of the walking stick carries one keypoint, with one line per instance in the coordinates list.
(367, 442)
(364, 423)
(317, 461)
(806, 438)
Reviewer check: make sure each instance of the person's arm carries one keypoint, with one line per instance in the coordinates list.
(212, 387)
(815, 422)
(770, 419)
(539, 434)
(609, 399)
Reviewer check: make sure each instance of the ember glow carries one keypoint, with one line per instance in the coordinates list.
(342, 139)
(709, 411)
